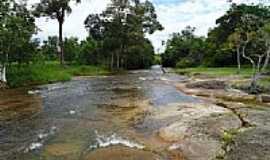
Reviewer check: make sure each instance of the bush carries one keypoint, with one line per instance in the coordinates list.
(35, 74)
(185, 63)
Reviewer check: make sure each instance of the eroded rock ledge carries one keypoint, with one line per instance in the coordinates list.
(198, 128)
(229, 125)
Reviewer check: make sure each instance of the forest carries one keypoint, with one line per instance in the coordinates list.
(240, 39)
(116, 40)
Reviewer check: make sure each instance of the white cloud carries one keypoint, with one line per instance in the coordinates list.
(174, 16)
(74, 23)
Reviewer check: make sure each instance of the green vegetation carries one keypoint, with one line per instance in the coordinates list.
(265, 82)
(116, 40)
(241, 37)
(243, 77)
(215, 72)
(55, 10)
(48, 73)
(228, 136)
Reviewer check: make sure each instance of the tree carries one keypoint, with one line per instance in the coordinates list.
(235, 41)
(16, 29)
(184, 49)
(89, 52)
(122, 26)
(250, 28)
(266, 35)
(72, 49)
(227, 33)
(49, 48)
(56, 9)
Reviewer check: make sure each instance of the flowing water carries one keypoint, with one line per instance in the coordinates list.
(94, 118)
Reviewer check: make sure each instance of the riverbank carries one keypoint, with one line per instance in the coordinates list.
(37, 74)
(239, 81)
(227, 124)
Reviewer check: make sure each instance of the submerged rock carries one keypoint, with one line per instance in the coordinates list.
(61, 150)
(120, 152)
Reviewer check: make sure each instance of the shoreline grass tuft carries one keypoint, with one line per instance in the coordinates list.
(37, 74)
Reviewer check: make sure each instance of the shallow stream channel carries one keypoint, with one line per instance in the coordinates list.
(90, 118)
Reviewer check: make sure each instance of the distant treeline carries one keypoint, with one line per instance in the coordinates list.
(116, 39)
(241, 36)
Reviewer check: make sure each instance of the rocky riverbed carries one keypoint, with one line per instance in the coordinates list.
(142, 114)
(241, 131)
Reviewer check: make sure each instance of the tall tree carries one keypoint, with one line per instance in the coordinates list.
(56, 9)
(122, 25)
(249, 27)
(266, 35)
(17, 25)
(235, 41)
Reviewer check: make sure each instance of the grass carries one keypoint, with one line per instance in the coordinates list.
(263, 83)
(215, 72)
(36, 74)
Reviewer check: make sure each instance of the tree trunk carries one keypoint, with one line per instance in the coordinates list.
(112, 61)
(61, 45)
(238, 60)
(3, 73)
(253, 86)
(3, 77)
(267, 59)
(118, 60)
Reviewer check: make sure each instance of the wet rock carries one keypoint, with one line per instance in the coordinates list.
(120, 152)
(253, 144)
(212, 84)
(61, 149)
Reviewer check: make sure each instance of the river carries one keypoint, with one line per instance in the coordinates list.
(89, 118)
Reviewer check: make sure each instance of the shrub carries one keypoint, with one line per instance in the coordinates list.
(185, 63)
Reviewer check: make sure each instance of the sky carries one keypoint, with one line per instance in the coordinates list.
(174, 15)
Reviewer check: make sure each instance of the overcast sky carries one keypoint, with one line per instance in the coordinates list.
(174, 15)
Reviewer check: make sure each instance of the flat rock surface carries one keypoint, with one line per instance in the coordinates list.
(201, 134)
(253, 144)
(198, 129)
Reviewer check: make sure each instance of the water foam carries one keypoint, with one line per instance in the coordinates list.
(40, 140)
(103, 142)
